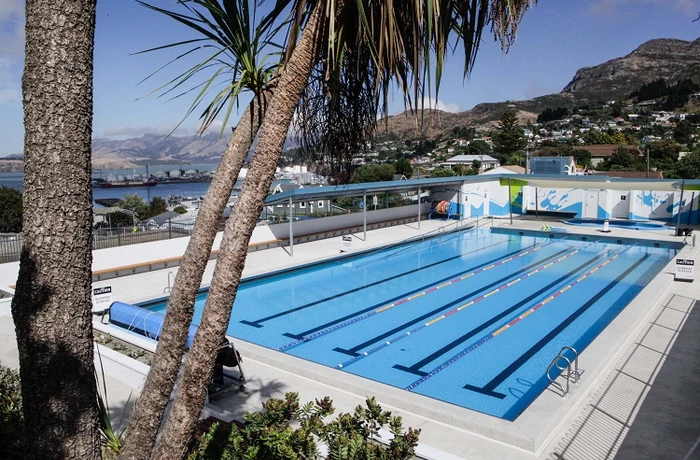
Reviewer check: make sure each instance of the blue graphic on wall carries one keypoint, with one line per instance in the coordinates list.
(496, 209)
(652, 205)
(565, 202)
(476, 204)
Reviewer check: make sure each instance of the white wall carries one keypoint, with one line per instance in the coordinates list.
(305, 227)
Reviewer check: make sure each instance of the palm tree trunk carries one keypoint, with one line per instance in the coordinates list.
(232, 255)
(52, 307)
(150, 407)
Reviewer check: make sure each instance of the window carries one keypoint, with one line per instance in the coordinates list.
(320, 204)
(302, 205)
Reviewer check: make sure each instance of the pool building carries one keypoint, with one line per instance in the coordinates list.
(492, 312)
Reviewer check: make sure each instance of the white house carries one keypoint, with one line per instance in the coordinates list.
(487, 162)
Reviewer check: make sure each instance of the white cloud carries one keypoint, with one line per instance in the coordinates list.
(214, 127)
(439, 104)
(137, 131)
(609, 7)
(160, 130)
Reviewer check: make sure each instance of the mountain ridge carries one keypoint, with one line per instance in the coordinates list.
(667, 58)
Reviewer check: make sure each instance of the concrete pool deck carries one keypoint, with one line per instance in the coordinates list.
(585, 425)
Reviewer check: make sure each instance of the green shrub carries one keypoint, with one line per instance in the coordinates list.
(270, 435)
(11, 420)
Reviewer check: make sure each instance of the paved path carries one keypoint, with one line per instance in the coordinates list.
(668, 423)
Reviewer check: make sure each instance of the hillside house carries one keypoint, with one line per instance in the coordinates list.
(487, 162)
(600, 152)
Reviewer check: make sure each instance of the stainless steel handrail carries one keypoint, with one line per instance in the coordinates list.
(555, 363)
(576, 374)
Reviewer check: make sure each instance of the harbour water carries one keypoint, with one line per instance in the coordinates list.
(192, 189)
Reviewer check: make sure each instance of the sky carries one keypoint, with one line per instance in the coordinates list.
(555, 38)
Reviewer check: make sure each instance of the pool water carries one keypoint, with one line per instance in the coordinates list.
(617, 223)
(471, 318)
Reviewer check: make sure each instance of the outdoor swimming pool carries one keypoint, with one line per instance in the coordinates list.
(471, 318)
(619, 223)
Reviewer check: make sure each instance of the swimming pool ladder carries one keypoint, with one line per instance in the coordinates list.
(169, 287)
(574, 374)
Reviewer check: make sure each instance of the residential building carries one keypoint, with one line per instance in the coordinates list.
(487, 162)
(600, 152)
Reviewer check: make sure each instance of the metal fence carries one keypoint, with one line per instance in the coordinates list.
(103, 238)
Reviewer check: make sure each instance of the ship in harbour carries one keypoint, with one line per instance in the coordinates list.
(131, 180)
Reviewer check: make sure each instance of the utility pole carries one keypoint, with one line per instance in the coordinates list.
(647, 162)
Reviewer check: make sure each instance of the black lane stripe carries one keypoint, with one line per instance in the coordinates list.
(515, 365)
(415, 368)
(354, 350)
(301, 335)
(257, 323)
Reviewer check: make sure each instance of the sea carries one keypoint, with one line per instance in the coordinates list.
(193, 190)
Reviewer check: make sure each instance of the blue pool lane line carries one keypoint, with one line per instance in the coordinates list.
(258, 323)
(416, 367)
(461, 307)
(354, 351)
(489, 388)
(403, 300)
(337, 323)
(511, 323)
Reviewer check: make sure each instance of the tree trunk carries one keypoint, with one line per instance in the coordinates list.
(232, 254)
(150, 407)
(52, 307)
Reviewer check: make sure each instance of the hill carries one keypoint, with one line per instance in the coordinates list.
(151, 148)
(669, 59)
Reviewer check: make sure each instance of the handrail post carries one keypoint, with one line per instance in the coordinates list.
(418, 208)
(364, 216)
(291, 227)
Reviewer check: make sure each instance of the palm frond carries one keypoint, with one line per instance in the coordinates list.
(246, 53)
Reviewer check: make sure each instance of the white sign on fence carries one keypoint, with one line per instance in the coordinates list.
(346, 244)
(101, 298)
(685, 269)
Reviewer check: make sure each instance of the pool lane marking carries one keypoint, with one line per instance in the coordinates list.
(489, 388)
(374, 311)
(354, 314)
(257, 323)
(416, 367)
(415, 320)
(512, 322)
(383, 303)
(460, 308)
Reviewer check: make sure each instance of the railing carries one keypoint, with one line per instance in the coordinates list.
(10, 248)
(557, 363)
(11, 245)
(458, 225)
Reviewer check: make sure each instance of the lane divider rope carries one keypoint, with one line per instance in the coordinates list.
(512, 322)
(461, 307)
(396, 303)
